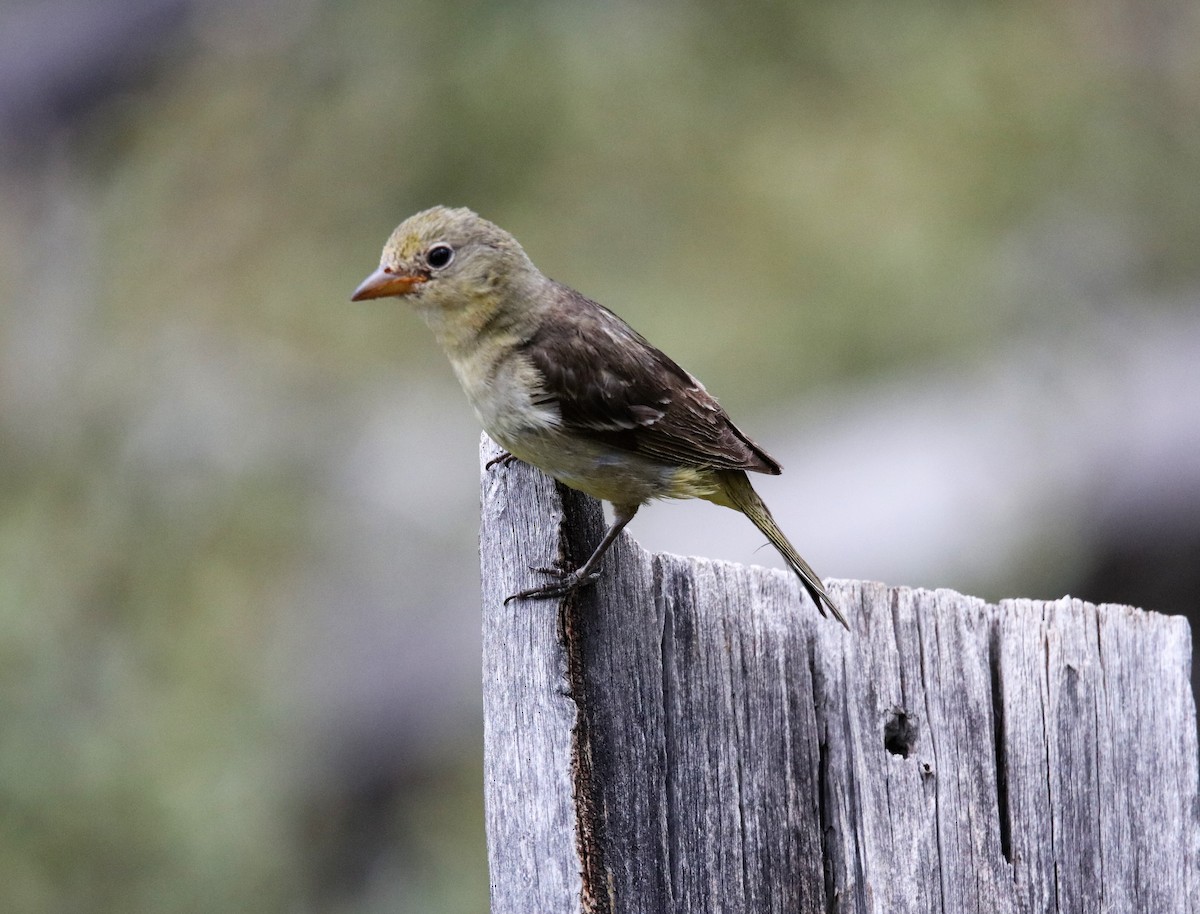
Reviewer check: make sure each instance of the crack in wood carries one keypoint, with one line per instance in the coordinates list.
(665, 606)
(829, 856)
(576, 543)
(996, 680)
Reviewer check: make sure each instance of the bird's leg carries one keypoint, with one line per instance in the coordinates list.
(504, 458)
(570, 581)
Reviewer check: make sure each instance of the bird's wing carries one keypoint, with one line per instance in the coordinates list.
(609, 384)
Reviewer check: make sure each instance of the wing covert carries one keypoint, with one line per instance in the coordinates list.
(609, 384)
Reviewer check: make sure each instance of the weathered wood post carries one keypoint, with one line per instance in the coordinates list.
(686, 737)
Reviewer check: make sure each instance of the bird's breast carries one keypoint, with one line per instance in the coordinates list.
(505, 391)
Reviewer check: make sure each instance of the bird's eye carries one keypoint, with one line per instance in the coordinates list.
(439, 255)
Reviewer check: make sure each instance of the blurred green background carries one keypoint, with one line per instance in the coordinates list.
(940, 258)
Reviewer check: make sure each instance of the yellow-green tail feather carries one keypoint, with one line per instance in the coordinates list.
(741, 495)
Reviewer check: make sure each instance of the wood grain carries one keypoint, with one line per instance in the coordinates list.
(686, 736)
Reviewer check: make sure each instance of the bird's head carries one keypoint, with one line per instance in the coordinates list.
(446, 259)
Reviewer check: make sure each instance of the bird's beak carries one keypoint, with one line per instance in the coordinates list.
(384, 284)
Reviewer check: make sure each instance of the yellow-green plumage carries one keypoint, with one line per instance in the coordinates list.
(564, 384)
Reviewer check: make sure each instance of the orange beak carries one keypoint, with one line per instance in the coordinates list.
(385, 284)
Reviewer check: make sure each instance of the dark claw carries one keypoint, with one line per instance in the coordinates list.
(504, 459)
(568, 583)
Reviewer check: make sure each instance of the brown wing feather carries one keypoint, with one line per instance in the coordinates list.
(611, 385)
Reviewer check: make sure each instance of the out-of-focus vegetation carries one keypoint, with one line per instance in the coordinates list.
(238, 629)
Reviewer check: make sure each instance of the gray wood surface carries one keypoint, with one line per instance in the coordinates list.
(689, 736)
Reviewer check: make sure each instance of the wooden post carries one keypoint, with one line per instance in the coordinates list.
(688, 736)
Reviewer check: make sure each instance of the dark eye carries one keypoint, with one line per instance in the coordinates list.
(439, 255)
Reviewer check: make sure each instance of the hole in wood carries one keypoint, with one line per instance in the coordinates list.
(900, 732)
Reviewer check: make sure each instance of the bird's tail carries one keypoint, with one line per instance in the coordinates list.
(741, 495)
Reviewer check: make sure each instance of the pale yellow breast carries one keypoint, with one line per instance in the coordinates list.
(504, 394)
(504, 388)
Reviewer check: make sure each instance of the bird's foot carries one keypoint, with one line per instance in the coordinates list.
(568, 582)
(504, 459)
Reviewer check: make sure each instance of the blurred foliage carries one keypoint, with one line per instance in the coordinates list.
(135, 775)
(821, 191)
(844, 171)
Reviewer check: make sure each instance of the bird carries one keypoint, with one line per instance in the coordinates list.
(564, 384)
